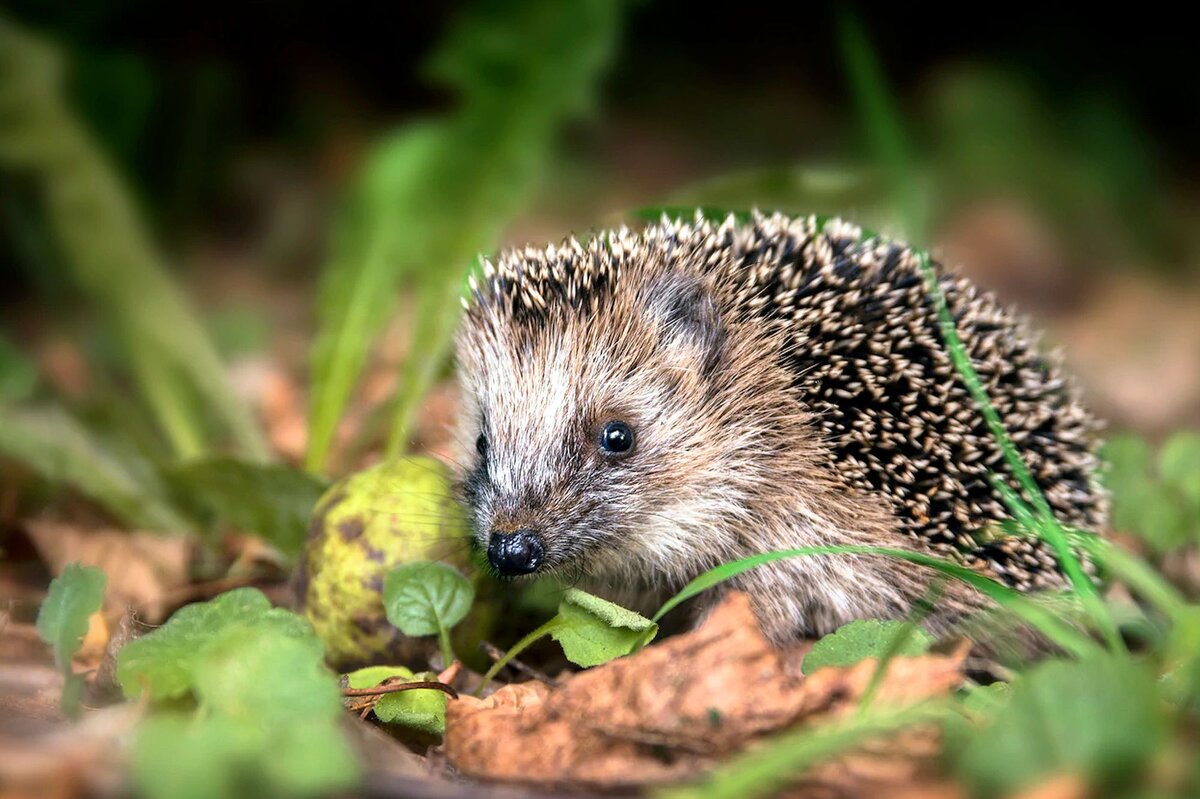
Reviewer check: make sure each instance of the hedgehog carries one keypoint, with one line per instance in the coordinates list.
(642, 406)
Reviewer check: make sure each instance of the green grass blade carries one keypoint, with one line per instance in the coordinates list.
(516, 649)
(451, 189)
(900, 639)
(880, 117)
(882, 120)
(1037, 617)
(1139, 576)
(764, 770)
(62, 450)
(104, 242)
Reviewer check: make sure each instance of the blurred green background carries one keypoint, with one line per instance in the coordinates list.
(318, 177)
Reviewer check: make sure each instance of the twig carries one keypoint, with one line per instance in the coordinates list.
(391, 688)
(495, 653)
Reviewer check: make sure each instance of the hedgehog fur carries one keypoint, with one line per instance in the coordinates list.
(788, 385)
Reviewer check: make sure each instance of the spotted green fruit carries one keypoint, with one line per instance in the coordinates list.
(367, 524)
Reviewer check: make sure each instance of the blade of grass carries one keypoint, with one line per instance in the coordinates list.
(516, 649)
(919, 612)
(106, 245)
(452, 189)
(1037, 617)
(1139, 576)
(61, 449)
(764, 770)
(882, 121)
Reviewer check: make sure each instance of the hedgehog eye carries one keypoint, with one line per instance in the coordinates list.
(481, 445)
(616, 438)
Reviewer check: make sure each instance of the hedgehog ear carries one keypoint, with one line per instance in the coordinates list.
(687, 317)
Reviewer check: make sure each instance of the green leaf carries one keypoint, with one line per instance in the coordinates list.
(371, 676)
(418, 709)
(1181, 656)
(1099, 717)
(859, 640)
(422, 709)
(178, 757)
(267, 725)
(265, 673)
(591, 631)
(166, 662)
(1161, 505)
(272, 501)
(426, 598)
(18, 375)
(59, 448)
(62, 620)
(594, 631)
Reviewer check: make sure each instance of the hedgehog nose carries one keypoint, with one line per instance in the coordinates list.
(516, 553)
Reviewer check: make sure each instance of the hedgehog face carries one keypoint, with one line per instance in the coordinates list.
(587, 444)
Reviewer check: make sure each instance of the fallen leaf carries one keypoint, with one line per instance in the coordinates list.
(141, 567)
(672, 709)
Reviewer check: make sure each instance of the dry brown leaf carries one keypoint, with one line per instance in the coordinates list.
(141, 567)
(674, 708)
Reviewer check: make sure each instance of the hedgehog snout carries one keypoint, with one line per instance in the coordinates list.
(516, 553)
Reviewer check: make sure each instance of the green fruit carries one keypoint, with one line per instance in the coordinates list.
(367, 524)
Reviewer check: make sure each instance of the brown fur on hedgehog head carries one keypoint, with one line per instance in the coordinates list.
(562, 343)
(633, 336)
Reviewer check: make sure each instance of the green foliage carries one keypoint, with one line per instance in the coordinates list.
(422, 709)
(272, 501)
(18, 375)
(594, 631)
(423, 598)
(764, 770)
(267, 709)
(167, 663)
(890, 148)
(1098, 717)
(63, 623)
(1036, 616)
(591, 631)
(62, 450)
(866, 638)
(1156, 495)
(267, 723)
(433, 196)
(427, 598)
(1081, 164)
(62, 620)
(102, 240)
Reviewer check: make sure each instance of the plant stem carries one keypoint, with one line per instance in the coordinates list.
(393, 688)
(517, 648)
(444, 643)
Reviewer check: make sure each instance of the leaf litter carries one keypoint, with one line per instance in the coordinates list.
(674, 709)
